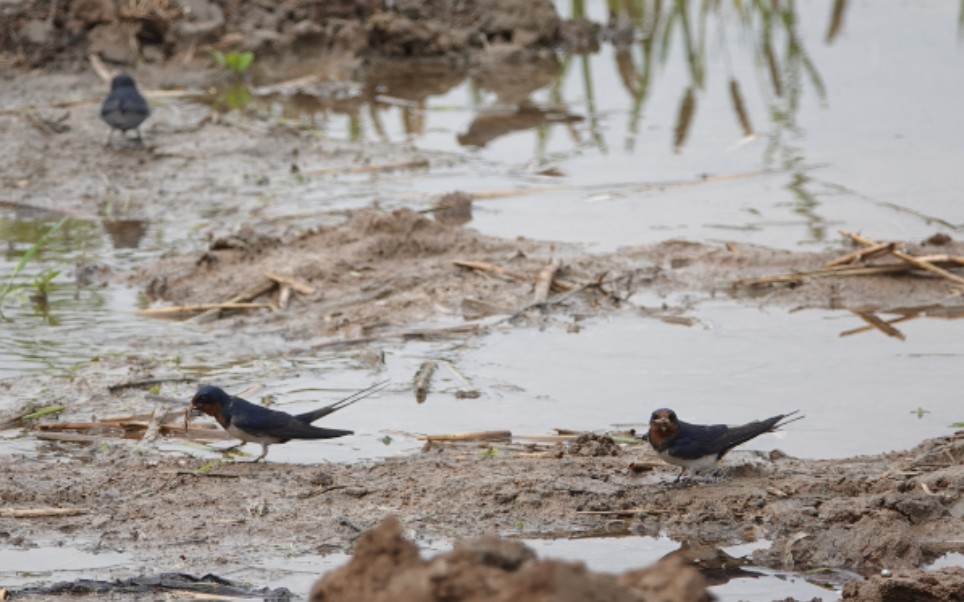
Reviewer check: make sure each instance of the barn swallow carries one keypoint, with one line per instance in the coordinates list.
(252, 423)
(124, 108)
(701, 446)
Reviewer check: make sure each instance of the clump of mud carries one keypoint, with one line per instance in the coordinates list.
(944, 585)
(376, 271)
(594, 446)
(387, 568)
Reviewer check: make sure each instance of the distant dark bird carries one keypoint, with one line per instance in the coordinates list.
(252, 423)
(702, 446)
(124, 108)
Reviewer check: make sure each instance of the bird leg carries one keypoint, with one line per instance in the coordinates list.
(264, 452)
(680, 475)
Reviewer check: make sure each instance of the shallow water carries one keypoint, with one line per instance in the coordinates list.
(861, 134)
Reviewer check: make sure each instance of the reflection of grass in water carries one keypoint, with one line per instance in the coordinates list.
(657, 24)
(782, 63)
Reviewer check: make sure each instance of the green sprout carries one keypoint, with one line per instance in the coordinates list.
(238, 62)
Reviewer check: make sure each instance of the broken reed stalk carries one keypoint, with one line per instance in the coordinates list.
(880, 325)
(297, 285)
(369, 169)
(40, 512)
(479, 436)
(870, 327)
(915, 261)
(263, 288)
(482, 266)
(862, 254)
(423, 380)
(544, 281)
(284, 296)
(162, 312)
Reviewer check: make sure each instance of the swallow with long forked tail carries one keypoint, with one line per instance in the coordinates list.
(701, 446)
(252, 423)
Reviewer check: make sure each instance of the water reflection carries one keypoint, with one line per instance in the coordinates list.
(645, 33)
(126, 233)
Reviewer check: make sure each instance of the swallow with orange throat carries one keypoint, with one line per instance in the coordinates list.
(253, 423)
(701, 446)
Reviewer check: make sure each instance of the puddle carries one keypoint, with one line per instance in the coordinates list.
(824, 154)
(950, 559)
(49, 564)
(616, 370)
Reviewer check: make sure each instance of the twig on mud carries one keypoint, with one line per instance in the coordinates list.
(862, 254)
(284, 296)
(164, 312)
(479, 436)
(423, 380)
(41, 512)
(846, 265)
(427, 334)
(544, 280)
(130, 427)
(148, 383)
(626, 512)
(153, 429)
(297, 285)
(70, 438)
(368, 169)
(482, 266)
(216, 475)
(914, 261)
(254, 292)
(331, 488)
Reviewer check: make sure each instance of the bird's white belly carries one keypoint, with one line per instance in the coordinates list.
(249, 438)
(704, 462)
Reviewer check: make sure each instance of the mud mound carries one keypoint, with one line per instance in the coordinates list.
(593, 445)
(156, 30)
(376, 271)
(387, 568)
(945, 585)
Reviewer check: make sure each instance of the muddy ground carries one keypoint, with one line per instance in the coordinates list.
(894, 511)
(377, 274)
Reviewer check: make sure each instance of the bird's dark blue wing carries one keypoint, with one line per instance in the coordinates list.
(694, 441)
(256, 419)
(264, 422)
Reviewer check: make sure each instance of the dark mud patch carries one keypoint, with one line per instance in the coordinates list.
(895, 511)
(386, 568)
(41, 33)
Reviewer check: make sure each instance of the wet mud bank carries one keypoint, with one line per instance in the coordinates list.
(40, 33)
(895, 511)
